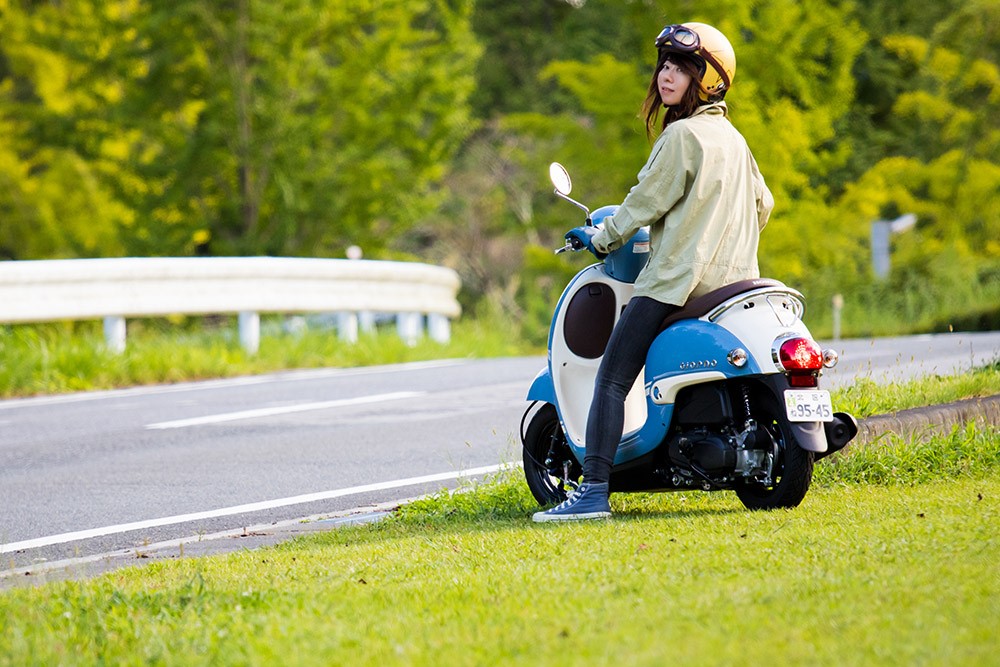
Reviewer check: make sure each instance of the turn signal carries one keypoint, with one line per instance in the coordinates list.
(737, 357)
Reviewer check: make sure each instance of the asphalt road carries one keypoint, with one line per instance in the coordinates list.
(95, 472)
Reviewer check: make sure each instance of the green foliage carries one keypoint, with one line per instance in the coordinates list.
(56, 74)
(289, 127)
(855, 113)
(425, 128)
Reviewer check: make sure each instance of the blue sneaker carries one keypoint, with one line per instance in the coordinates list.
(589, 501)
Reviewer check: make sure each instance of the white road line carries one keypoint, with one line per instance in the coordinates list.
(241, 509)
(282, 410)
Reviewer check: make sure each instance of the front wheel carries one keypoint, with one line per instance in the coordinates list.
(792, 474)
(550, 468)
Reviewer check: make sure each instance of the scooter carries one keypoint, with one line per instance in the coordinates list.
(729, 397)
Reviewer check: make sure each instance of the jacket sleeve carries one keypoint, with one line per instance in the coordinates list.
(662, 183)
(763, 196)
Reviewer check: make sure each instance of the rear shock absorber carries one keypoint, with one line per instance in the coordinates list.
(746, 438)
(746, 401)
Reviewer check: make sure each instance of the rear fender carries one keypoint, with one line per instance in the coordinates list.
(810, 436)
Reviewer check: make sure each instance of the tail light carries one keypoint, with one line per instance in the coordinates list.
(800, 358)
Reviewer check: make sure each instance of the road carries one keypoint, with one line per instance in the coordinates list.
(93, 472)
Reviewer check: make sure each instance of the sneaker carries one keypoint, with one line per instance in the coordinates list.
(589, 501)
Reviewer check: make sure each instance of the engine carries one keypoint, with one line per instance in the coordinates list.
(712, 459)
(709, 452)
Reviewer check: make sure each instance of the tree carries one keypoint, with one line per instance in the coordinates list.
(232, 126)
(55, 79)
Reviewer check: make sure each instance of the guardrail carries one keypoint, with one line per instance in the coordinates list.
(118, 288)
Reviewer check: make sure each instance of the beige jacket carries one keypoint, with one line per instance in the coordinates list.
(705, 202)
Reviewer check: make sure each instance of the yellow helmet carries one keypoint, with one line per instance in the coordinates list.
(701, 39)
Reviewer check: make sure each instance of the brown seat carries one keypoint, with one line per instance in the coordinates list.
(701, 305)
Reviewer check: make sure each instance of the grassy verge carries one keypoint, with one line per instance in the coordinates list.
(58, 358)
(866, 397)
(892, 568)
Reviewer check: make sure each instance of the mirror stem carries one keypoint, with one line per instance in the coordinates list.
(575, 203)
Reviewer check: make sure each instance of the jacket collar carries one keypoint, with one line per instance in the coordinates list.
(713, 109)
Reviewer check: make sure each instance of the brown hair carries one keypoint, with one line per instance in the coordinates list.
(695, 68)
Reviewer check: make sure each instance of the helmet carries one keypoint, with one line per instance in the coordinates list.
(701, 39)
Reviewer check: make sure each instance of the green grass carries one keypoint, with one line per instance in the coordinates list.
(895, 568)
(866, 397)
(58, 358)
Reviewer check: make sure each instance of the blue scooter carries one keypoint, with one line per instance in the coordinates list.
(729, 398)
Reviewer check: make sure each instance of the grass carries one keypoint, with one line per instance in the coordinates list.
(866, 397)
(66, 357)
(892, 568)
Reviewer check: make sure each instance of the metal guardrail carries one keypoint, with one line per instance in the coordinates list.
(118, 288)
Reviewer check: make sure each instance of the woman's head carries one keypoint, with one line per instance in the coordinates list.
(694, 50)
(676, 87)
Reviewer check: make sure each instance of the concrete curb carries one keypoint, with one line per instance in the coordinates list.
(931, 420)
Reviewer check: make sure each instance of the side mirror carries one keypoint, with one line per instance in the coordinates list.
(560, 178)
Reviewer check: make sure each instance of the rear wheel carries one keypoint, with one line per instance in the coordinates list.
(550, 468)
(792, 473)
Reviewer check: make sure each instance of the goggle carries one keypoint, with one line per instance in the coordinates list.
(679, 38)
(685, 40)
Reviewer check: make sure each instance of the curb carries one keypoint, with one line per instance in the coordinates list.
(931, 420)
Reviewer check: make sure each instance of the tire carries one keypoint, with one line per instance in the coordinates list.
(549, 465)
(792, 473)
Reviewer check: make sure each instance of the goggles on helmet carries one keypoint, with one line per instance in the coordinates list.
(679, 38)
(682, 39)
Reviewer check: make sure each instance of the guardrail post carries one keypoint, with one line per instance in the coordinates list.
(366, 321)
(408, 326)
(838, 308)
(250, 331)
(347, 326)
(114, 333)
(438, 327)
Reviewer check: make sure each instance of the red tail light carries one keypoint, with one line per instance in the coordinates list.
(800, 358)
(798, 354)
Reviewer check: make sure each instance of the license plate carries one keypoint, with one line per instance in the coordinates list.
(808, 405)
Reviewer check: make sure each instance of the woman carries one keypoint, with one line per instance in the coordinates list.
(705, 201)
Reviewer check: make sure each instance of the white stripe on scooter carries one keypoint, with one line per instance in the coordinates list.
(241, 509)
(282, 410)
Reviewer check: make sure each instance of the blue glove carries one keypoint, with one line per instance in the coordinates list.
(583, 237)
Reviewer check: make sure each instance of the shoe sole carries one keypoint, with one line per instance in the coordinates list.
(541, 517)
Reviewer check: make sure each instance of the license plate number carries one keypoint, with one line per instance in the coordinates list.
(808, 405)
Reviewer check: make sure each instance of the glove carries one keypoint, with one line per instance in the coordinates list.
(583, 237)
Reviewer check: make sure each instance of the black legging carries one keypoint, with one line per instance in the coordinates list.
(623, 359)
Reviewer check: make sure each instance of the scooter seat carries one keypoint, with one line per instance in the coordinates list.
(701, 305)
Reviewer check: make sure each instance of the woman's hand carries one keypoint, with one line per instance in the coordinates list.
(582, 237)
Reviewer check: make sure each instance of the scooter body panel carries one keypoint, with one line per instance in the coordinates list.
(689, 352)
(541, 388)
